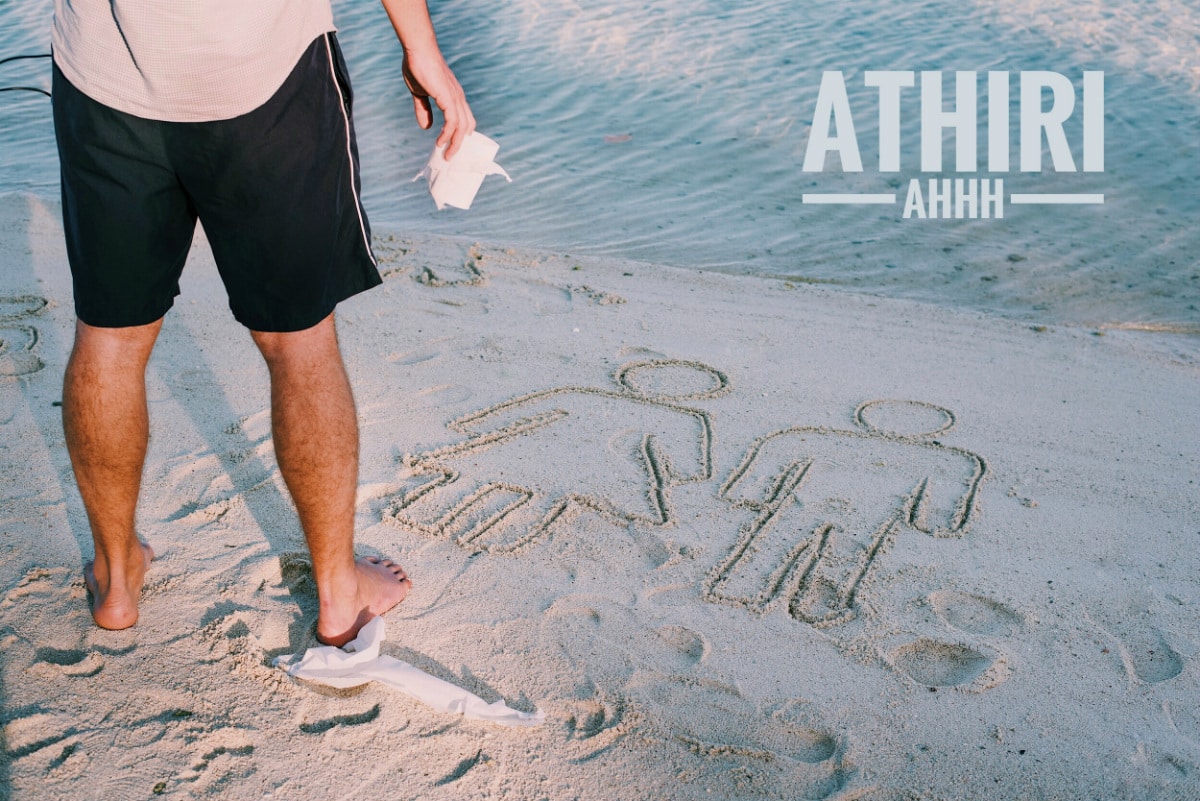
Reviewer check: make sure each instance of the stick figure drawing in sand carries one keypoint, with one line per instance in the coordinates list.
(829, 502)
(509, 483)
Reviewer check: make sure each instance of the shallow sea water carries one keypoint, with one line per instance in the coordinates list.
(674, 133)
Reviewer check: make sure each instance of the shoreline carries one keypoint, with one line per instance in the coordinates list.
(918, 295)
(921, 293)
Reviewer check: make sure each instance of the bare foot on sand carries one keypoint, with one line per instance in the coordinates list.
(115, 591)
(381, 585)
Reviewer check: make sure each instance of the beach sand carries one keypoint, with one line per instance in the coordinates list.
(737, 538)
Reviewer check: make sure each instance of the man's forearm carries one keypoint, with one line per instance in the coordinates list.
(413, 26)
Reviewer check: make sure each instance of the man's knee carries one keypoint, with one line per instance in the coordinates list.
(317, 343)
(115, 347)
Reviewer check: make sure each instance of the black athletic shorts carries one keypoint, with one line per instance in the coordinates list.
(277, 191)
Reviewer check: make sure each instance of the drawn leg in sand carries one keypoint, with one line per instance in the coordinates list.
(316, 440)
(829, 502)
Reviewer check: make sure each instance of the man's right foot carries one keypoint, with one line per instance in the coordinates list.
(115, 607)
(381, 585)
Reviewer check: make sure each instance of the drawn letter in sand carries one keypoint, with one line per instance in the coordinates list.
(828, 502)
(512, 479)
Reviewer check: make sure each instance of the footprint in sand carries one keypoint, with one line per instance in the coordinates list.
(469, 273)
(600, 623)
(323, 725)
(736, 749)
(934, 663)
(888, 794)
(73, 662)
(438, 396)
(543, 298)
(593, 717)
(69, 762)
(974, 613)
(42, 744)
(219, 757)
(34, 732)
(691, 645)
(428, 352)
(464, 766)
(50, 754)
(41, 586)
(597, 297)
(1143, 651)
(1147, 656)
(594, 725)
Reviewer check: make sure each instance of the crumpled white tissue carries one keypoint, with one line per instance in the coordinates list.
(360, 662)
(455, 182)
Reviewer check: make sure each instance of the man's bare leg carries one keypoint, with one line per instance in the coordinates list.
(107, 428)
(315, 427)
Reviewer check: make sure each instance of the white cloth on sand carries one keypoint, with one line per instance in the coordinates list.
(455, 182)
(360, 662)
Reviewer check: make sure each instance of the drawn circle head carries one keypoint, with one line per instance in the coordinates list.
(672, 380)
(904, 418)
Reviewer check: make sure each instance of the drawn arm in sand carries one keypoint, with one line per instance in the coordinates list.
(827, 503)
(534, 461)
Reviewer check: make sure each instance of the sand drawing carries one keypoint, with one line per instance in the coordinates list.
(504, 487)
(828, 502)
(16, 307)
(17, 341)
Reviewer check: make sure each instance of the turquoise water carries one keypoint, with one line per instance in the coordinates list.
(674, 133)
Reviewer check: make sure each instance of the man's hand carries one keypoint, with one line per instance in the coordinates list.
(428, 77)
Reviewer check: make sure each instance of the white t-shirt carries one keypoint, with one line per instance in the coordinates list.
(184, 60)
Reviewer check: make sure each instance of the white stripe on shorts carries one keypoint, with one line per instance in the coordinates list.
(362, 227)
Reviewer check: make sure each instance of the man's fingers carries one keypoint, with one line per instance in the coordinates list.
(452, 138)
(459, 125)
(455, 139)
(423, 111)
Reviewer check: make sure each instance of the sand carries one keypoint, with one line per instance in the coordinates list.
(737, 538)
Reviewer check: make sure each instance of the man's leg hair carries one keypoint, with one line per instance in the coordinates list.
(106, 423)
(315, 429)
